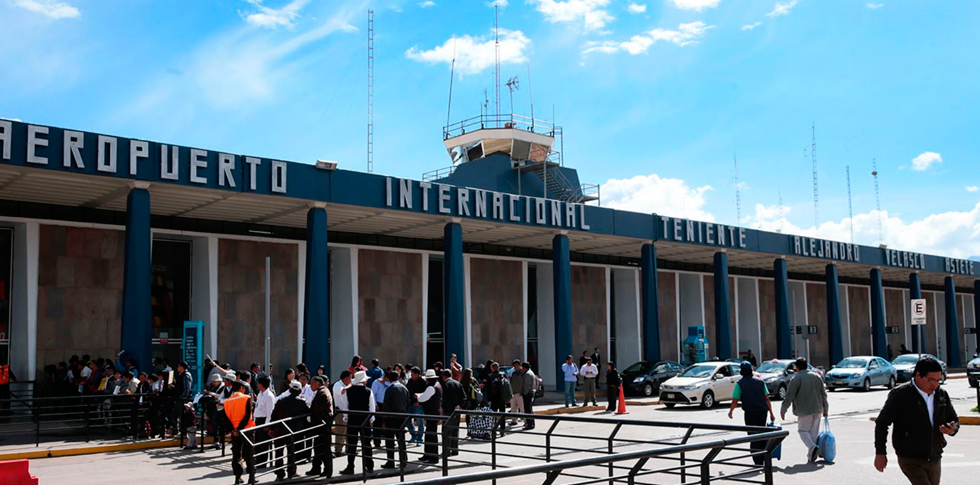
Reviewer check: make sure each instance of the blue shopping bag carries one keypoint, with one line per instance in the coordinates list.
(827, 443)
(777, 453)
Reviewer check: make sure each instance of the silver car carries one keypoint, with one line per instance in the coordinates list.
(905, 365)
(973, 370)
(777, 374)
(862, 372)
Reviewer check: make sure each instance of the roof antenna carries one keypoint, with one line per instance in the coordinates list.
(738, 192)
(496, 69)
(452, 73)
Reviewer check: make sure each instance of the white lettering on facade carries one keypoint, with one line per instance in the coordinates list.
(388, 191)
(279, 177)
(540, 210)
(199, 160)
(226, 165)
(515, 214)
(253, 164)
(556, 213)
(710, 231)
(405, 194)
(481, 204)
(74, 142)
(582, 224)
(169, 169)
(137, 149)
(34, 141)
(463, 202)
(425, 195)
(6, 127)
(103, 163)
(443, 199)
(498, 205)
(569, 215)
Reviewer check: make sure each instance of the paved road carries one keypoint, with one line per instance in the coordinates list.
(851, 413)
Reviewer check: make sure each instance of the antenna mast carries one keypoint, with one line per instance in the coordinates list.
(850, 206)
(813, 160)
(452, 74)
(496, 68)
(779, 228)
(874, 173)
(530, 92)
(370, 91)
(738, 193)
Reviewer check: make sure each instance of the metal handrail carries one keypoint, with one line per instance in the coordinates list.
(437, 174)
(496, 121)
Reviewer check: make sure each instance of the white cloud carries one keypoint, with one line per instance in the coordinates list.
(696, 5)
(49, 8)
(782, 8)
(925, 160)
(751, 26)
(875, 6)
(427, 4)
(591, 14)
(475, 54)
(498, 3)
(273, 18)
(636, 8)
(972, 188)
(686, 34)
(651, 193)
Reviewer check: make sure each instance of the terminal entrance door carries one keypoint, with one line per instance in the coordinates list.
(435, 336)
(798, 319)
(6, 263)
(170, 292)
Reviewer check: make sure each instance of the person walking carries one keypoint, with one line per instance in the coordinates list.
(570, 372)
(339, 417)
(322, 409)
(431, 402)
(754, 396)
(808, 396)
(292, 409)
(238, 410)
(452, 402)
(379, 388)
(591, 374)
(499, 395)
(397, 399)
(359, 398)
(472, 396)
(516, 385)
(922, 413)
(612, 385)
(529, 383)
(265, 402)
(416, 385)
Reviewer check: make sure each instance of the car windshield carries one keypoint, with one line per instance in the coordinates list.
(639, 368)
(770, 367)
(906, 359)
(852, 364)
(699, 371)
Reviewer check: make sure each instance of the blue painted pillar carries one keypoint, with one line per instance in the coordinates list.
(976, 313)
(919, 332)
(316, 313)
(137, 311)
(650, 302)
(834, 331)
(723, 315)
(452, 283)
(879, 341)
(562, 270)
(784, 333)
(952, 326)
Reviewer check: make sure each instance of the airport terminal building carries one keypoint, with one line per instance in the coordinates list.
(111, 243)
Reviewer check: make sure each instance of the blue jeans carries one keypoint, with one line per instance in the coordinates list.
(569, 393)
(416, 434)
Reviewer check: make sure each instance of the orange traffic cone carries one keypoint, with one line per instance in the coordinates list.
(622, 402)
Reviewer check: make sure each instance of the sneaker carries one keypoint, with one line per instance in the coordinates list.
(814, 453)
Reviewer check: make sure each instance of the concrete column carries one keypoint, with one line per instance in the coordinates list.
(879, 341)
(316, 308)
(343, 307)
(919, 331)
(976, 313)
(137, 312)
(834, 331)
(562, 272)
(454, 309)
(23, 294)
(649, 301)
(723, 316)
(784, 335)
(952, 325)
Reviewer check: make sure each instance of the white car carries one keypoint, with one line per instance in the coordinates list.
(705, 383)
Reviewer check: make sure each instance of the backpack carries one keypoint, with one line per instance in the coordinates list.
(504, 390)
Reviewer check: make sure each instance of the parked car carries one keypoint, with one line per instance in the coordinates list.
(508, 370)
(646, 377)
(862, 372)
(706, 384)
(905, 365)
(973, 370)
(777, 374)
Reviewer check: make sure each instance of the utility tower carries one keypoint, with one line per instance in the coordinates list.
(850, 206)
(738, 191)
(813, 160)
(874, 173)
(496, 63)
(370, 93)
(779, 228)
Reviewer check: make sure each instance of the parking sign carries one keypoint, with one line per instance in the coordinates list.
(919, 311)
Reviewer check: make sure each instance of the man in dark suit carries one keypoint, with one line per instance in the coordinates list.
(294, 408)
(397, 399)
(452, 400)
(359, 398)
(322, 408)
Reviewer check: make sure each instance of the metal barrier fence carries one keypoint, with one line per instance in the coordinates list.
(480, 443)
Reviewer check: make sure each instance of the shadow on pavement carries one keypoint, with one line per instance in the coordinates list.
(800, 468)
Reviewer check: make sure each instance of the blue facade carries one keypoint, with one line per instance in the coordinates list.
(723, 317)
(915, 293)
(137, 309)
(454, 308)
(879, 340)
(650, 303)
(952, 325)
(562, 268)
(316, 314)
(784, 333)
(834, 330)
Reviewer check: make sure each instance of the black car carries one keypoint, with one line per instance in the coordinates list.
(645, 377)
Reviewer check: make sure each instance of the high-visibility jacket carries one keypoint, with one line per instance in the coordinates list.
(4, 375)
(235, 410)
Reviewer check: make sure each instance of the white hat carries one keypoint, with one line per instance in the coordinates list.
(430, 374)
(215, 378)
(295, 385)
(359, 378)
(231, 376)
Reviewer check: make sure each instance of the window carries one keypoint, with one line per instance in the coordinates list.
(532, 316)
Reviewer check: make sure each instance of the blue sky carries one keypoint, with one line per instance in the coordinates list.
(653, 95)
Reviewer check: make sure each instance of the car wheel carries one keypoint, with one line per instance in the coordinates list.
(648, 389)
(831, 389)
(670, 405)
(944, 378)
(867, 385)
(708, 400)
(891, 382)
(781, 392)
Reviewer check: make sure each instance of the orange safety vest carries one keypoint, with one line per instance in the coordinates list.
(235, 410)
(4, 375)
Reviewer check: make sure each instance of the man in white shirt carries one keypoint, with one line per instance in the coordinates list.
(308, 393)
(340, 419)
(590, 372)
(265, 402)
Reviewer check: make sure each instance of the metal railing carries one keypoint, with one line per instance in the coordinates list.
(500, 120)
(87, 417)
(477, 442)
(437, 174)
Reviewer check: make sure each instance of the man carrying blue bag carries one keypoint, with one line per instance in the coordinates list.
(808, 396)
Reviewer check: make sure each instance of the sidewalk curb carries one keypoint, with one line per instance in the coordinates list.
(91, 450)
